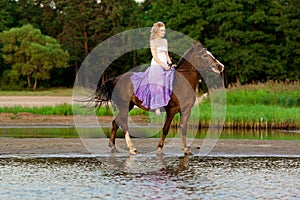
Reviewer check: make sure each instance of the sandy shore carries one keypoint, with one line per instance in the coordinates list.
(58, 146)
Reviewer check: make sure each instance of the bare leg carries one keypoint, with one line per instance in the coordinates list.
(157, 112)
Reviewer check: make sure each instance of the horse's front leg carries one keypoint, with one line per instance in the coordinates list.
(183, 128)
(132, 149)
(169, 117)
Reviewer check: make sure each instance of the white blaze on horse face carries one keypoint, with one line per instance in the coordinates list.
(208, 52)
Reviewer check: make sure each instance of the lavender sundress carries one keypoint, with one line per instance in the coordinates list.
(154, 86)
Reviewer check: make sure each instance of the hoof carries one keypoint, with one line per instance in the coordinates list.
(133, 151)
(187, 152)
(115, 151)
(159, 151)
(111, 145)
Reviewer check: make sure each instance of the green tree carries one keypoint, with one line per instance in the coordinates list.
(87, 23)
(245, 36)
(31, 54)
(185, 16)
(290, 25)
(7, 18)
(256, 40)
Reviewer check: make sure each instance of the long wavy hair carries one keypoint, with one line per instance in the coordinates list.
(155, 29)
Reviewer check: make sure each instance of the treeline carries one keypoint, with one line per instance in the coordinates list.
(256, 40)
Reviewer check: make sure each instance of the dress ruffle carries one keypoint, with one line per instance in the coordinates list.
(154, 86)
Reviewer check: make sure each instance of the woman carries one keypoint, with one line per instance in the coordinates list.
(154, 86)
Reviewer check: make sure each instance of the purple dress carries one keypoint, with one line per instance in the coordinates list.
(154, 86)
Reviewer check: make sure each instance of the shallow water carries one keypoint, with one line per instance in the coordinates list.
(149, 177)
(140, 132)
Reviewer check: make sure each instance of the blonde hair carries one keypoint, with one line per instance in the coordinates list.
(155, 30)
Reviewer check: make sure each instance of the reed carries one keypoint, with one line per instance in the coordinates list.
(271, 93)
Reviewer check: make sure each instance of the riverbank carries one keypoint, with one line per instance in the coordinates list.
(29, 119)
(54, 110)
(270, 105)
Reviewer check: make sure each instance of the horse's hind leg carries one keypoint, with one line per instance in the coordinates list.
(112, 138)
(127, 136)
(122, 121)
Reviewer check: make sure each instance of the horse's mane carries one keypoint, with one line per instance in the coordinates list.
(183, 58)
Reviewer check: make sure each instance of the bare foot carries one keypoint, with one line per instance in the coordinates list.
(157, 112)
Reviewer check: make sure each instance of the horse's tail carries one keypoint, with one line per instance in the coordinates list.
(103, 93)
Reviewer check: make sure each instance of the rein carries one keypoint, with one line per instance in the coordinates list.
(186, 70)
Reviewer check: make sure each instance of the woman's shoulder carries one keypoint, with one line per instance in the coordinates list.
(164, 42)
(159, 41)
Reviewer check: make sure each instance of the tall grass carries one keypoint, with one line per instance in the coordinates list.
(262, 116)
(63, 109)
(270, 93)
(268, 105)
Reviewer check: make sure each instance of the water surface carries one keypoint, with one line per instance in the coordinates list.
(150, 177)
(139, 132)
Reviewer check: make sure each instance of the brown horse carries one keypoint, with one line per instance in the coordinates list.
(119, 90)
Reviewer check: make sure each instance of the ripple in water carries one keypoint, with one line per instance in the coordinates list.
(170, 178)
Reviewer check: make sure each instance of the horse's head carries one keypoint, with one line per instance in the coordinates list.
(202, 59)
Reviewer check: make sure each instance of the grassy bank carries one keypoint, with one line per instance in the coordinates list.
(269, 105)
(272, 105)
(256, 116)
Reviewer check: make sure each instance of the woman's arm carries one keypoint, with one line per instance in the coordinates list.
(168, 57)
(169, 61)
(154, 55)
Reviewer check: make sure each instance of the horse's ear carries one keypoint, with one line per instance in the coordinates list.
(199, 43)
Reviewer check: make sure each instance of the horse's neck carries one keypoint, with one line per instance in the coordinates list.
(188, 71)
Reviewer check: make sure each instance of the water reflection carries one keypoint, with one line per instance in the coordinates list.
(141, 132)
(150, 177)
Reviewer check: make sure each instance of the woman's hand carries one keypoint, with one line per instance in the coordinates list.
(170, 65)
(167, 67)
